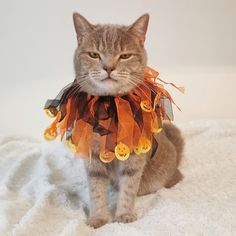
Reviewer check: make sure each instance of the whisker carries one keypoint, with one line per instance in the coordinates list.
(82, 83)
(95, 72)
(73, 90)
(136, 85)
(82, 74)
(122, 76)
(80, 77)
(123, 73)
(146, 85)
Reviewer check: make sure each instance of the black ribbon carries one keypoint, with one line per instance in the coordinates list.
(104, 108)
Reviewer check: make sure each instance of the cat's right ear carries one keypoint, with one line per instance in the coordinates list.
(82, 26)
(139, 27)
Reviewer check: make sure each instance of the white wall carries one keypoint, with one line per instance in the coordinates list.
(191, 42)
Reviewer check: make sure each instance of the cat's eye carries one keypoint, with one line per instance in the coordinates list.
(94, 55)
(125, 56)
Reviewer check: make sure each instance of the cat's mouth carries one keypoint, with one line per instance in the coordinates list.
(109, 79)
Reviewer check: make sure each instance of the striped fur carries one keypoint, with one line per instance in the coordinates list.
(110, 42)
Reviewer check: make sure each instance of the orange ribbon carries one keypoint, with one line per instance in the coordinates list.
(125, 123)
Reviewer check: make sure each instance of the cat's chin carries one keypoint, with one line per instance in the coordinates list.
(107, 87)
(106, 91)
(109, 80)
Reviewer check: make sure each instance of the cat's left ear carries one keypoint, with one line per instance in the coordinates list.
(139, 27)
(82, 26)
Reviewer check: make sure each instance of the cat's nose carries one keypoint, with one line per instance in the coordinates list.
(108, 69)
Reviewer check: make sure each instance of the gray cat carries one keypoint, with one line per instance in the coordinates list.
(111, 60)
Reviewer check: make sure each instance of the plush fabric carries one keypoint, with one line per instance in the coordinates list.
(43, 190)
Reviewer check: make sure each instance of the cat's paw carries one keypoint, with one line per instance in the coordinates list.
(126, 218)
(96, 222)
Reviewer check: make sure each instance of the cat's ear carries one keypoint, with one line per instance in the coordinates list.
(82, 26)
(139, 27)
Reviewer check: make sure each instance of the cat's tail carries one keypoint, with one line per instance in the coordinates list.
(175, 136)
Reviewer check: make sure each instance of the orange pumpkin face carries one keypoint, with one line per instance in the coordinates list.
(159, 130)
(70, 145)
(146, 145)
(155, 126)
(138, 150)
(146, 106)
(122, 152)
(107, 157)
(51, 112)
(143, 147)
(50, 134)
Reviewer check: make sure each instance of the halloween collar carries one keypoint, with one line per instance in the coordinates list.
(125, 124)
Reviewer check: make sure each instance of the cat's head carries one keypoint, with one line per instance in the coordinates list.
(110, 59)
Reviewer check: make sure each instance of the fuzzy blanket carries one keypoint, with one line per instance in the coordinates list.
(43, 190)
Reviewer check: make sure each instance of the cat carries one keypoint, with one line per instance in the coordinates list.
(110, 60)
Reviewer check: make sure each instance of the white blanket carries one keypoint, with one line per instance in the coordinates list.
(43, 190)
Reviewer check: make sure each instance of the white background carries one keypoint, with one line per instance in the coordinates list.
(190, 42)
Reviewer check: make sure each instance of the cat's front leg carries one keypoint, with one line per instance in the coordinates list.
(98, 181)
(130, 172)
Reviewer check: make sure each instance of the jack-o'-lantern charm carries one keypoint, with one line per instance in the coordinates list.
(122, 152)
(107, 157)
(50, 134)
(144, 146)
(155, 127)
(159, 130)
(51, 112)
(138, 150)
(146, 106)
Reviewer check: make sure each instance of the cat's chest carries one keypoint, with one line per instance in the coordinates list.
(96, 150)
(96, 144)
